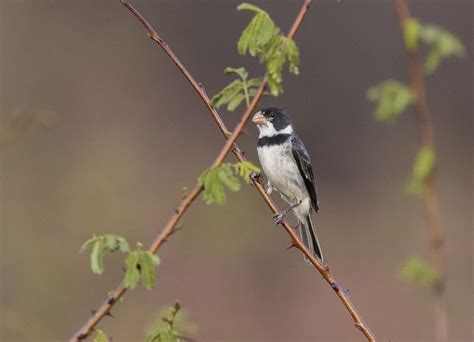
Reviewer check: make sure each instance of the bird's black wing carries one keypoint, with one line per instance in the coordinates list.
(304, 165)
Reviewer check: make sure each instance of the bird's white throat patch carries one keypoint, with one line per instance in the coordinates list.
(269, 130)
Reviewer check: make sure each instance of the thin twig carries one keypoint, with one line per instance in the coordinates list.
(426, 131)
(114, 297)
(230, 145)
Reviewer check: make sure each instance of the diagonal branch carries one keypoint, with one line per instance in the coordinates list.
(323, 269)
(426, 132)
(114, 296)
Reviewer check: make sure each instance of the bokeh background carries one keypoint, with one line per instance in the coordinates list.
(100, 132)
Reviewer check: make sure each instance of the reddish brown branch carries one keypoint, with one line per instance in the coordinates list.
(426, 131)
(229, 146)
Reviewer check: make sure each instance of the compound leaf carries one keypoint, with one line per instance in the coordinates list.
(391, 98)
(245, 169)
(424, 163)
(418, 272)
(132, 272)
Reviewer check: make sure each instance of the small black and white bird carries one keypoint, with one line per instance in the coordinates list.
(287, 166)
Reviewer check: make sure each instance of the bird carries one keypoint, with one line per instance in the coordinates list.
(287, 167)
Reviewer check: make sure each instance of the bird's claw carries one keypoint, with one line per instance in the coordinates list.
(278, 217)
(254, 175)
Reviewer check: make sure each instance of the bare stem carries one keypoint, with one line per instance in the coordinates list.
(426, 131)
(229, 146)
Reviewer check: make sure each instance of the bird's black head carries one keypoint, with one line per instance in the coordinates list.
(272, 118)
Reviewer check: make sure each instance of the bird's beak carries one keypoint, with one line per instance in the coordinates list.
(259, 119)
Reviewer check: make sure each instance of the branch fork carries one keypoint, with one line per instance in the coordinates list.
(230, 146)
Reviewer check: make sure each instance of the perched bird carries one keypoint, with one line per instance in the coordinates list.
(287, 166)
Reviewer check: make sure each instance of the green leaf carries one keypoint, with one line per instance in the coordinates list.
(280, 50)
(132, 272)
(250, 7)
(255, 82)
(148, 263)
(97, 257)
(422, 168)
(115, 242)
(418, 272)
(241, 72)
(101, 244)
(258, 33)
(391, 98)
(100, 336)
(227, 94)
(411, 31)
(226, 176)
(235, 102)
(215, 180)
(89, 243)
(245, 169)
(442, 43)
(162, 335)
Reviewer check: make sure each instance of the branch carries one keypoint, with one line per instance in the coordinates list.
(426, 132)
(229, 146)
(324, 270)
(113, 298)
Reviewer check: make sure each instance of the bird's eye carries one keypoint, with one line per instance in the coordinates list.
(272, 115)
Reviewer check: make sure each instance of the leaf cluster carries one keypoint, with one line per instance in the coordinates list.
(423, 166)
(99, 244)
(236, 91)
(418, 272)
(100, 336)
(216, 179)
(140, 265)
(166, 329)
(440, 42)
(391, 98)
(263, 39)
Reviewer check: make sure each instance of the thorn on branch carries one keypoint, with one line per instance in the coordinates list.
(293, 245)
(336, 287)
(82, 336)
(93, 312)
(109, 314)
(111, 301)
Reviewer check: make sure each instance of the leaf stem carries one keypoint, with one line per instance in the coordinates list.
(246, 92)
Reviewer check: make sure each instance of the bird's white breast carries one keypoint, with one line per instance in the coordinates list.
(281, 169)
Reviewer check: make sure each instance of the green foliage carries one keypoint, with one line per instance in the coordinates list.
(166, 328)
(411, 31)
(391, 98)
(140, 265)
(418, 272)
(215, 180)
(443, 44)
(258, 33)
(245, 170)
(236, 91)
(100, 336)
(262, 39)
(99, 244)
(424, 163)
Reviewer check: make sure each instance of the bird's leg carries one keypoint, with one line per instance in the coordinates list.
(281, 215)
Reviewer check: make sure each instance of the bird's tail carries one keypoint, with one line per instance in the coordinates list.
(309, 238)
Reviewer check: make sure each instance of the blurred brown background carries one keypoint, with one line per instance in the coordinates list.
(109, 132)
